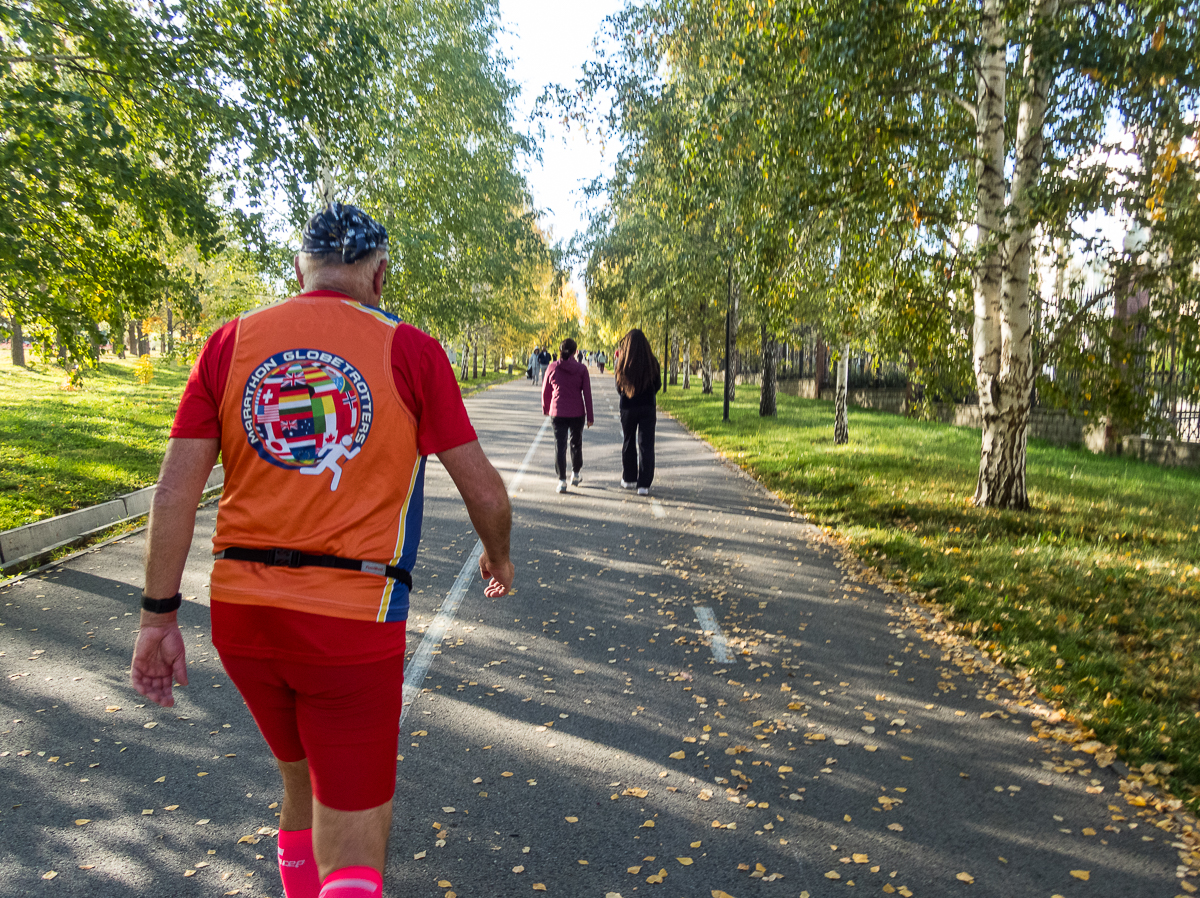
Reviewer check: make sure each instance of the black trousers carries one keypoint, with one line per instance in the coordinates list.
(562, 428)
(637, 447)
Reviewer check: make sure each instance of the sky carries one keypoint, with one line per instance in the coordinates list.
(547, 42)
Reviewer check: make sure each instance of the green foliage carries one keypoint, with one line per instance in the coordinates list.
(1103, 576)
(121, 124)
(827, 156)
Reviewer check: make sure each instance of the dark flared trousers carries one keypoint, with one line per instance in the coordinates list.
(564, 427)
(637, 447)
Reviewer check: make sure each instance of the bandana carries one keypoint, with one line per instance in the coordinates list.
(343, 229)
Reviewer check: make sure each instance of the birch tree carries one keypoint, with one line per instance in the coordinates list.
(1003, 348)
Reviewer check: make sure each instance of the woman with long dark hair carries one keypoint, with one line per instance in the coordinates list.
(638, 378)
(567, 399)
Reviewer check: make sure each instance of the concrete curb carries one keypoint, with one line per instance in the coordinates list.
(23, 545)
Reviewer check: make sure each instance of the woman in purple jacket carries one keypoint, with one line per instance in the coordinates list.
(567, 398)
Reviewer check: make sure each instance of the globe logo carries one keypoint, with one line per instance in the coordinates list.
(303, 410)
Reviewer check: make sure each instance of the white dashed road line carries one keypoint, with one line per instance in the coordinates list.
(720, 646)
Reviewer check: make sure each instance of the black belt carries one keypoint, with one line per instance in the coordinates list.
(296, 558)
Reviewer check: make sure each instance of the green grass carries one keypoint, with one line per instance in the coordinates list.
(65, 449)
(1096, 592)
(488, 379)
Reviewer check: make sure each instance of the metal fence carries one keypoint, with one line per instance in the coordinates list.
(1156, 372)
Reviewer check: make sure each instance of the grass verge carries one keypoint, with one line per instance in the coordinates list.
(487, 379)
(1096, 592)
(66, 449)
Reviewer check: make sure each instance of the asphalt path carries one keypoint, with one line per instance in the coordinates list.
(685, 695)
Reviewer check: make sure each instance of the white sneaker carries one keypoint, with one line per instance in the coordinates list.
(562, 486)
(627, 485)
(576, 479)
(643, 491)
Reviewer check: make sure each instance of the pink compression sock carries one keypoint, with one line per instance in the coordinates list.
(353, 882)
(297, 866)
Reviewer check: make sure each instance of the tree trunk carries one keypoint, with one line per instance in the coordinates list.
(687, 366)
(18, 343)
(706, 367)
(485, 360)
(841, 421)
(820, 365)
(170, 330)
(727, 384)
(766, 398)
(466, 360)
(733, 362)
(1003, 356)
(131, 340)
(475, 360)
(675, 359)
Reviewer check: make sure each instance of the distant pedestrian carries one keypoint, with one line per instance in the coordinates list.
(600, 360)
(638, 379)
(531, 370)
(543, 360)
(567, 399)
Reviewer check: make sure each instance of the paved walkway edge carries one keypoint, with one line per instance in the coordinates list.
(23, 545)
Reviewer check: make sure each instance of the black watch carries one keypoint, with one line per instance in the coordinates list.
(162, 606)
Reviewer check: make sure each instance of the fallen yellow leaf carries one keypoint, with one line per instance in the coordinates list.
(859, 858)
(82, 821)
(539, 887)
(717, 893)
(784, 769)
(964, 877)
(694, 845)
(1081, 874)
(443, 883)
(677, 755)
(50, 874)
(161, 779)
(634, 870)
(519, 868)
(833, 874)
(649, 824)
(571, 819)
(686, 861)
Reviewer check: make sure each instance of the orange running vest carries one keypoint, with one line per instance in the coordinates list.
(320, 455)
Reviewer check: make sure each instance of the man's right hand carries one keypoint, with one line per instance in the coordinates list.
(499, 576)
(159, 661)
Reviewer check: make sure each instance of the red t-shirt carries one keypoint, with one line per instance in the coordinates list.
(427, 385)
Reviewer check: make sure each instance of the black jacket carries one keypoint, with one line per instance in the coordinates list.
(646, 397)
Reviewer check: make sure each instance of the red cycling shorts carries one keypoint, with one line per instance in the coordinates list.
(345, 719)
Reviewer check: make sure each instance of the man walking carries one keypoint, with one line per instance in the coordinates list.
(311, 583)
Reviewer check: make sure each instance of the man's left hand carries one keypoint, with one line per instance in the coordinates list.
(499, 576)
(159, 660)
